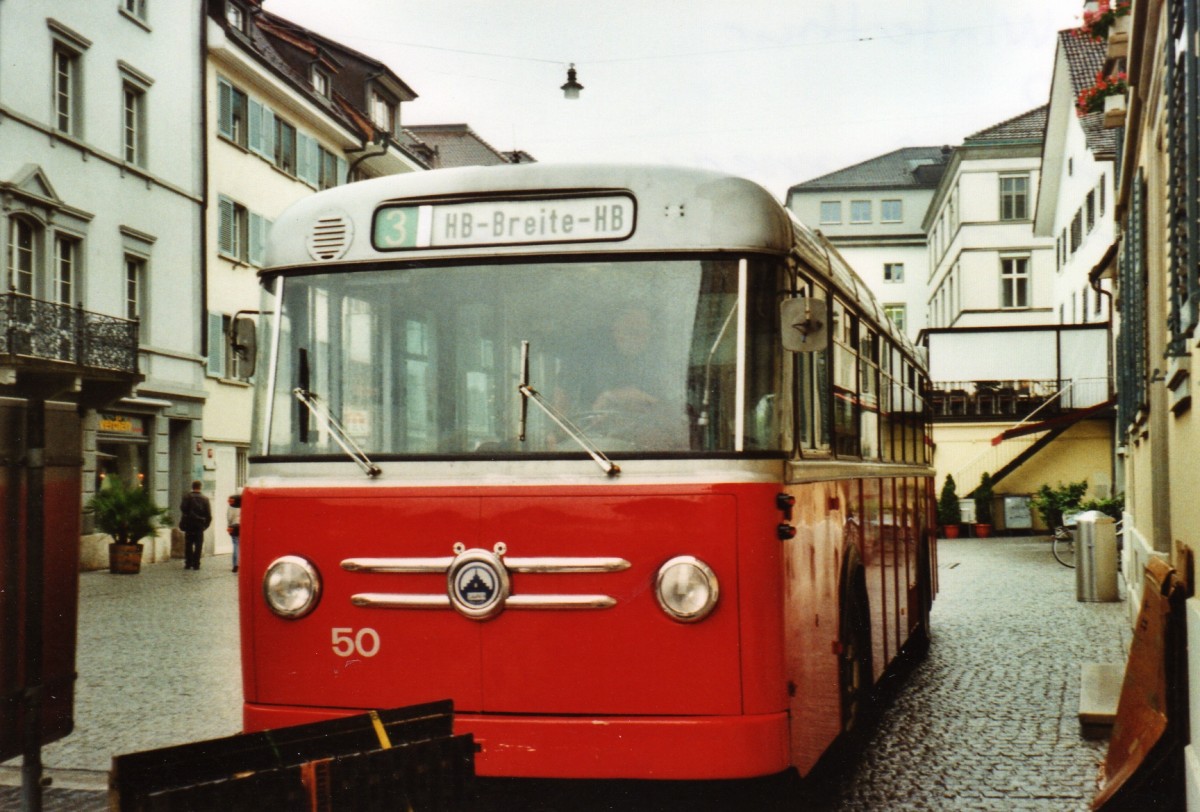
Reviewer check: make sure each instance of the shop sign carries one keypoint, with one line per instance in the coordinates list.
(123, 425)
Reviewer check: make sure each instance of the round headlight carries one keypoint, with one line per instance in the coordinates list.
(291, 586)
(686, 588)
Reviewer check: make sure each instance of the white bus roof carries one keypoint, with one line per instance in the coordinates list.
(674, 209)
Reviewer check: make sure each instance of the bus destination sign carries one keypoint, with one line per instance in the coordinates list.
(504, 222)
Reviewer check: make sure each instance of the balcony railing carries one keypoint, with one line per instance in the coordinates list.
(49, 331)
(1014, 399)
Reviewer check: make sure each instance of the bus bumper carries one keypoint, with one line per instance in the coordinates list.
(635, 747)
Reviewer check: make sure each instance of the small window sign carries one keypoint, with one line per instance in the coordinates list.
(504, 222)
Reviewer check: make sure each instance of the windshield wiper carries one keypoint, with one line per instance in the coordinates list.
(339, 434)
(528, 393)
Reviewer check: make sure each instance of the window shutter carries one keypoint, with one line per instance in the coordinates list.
(268, 133)
(302, 156)
(225, 226)
(314, 161)
(258, 238)
(216, 346)
(254, 136)
(224, 108)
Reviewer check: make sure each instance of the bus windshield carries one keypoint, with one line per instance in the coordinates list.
(644, 356)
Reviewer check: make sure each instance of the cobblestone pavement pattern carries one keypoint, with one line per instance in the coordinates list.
(986, 722)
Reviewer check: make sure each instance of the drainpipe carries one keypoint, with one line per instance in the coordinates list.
(204, 178)
(380, 140)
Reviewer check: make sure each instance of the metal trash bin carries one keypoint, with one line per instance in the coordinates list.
(1095, 557)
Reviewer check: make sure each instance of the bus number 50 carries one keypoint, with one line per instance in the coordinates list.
(364, 642)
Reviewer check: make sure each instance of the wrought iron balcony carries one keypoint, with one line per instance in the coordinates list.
(31, 328)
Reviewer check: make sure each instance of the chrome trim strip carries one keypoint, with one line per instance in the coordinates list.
(739, 401)
(436, 565)
(556, 564)
(559, 602)
(553, 564)
(272, 369)
(383, 600)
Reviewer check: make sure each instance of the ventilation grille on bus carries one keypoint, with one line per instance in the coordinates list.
(330, 237)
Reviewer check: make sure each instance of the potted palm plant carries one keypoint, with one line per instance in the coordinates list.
(983, 506)
(948, 510)
(128, 514)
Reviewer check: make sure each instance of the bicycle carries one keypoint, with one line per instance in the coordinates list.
(1063, 546)
(1063, 542)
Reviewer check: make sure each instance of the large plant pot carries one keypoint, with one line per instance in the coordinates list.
(983, 531)
(950, 531)
(124, 559)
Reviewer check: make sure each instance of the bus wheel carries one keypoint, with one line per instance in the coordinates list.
(855, 665)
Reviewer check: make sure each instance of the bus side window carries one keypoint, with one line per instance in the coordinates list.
(845, 382)
(812, 388)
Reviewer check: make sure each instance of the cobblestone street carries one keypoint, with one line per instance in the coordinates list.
(986, 722)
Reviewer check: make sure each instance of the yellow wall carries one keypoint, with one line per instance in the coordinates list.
(1082, 452)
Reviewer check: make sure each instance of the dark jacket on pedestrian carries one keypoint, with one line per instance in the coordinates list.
(195, 514)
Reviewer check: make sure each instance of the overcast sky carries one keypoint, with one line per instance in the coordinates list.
(780, 91)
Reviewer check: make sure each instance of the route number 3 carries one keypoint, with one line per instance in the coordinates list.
(364, 642)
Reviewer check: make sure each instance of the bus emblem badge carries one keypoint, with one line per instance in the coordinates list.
(478, 584)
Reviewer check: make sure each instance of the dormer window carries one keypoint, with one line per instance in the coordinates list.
(383, 113)
(235, 16)
(320, 82)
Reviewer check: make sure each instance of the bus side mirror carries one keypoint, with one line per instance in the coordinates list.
(805, 324)
(243, 341)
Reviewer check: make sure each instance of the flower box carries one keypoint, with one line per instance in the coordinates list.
(1118, 38)
(1114, 110)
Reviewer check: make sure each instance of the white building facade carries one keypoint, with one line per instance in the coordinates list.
(289, 112)
(986, 266)
(101, 202)
(1076, 198)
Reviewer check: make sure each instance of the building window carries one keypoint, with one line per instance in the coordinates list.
(898, 314)
(241, 234)
(220, 361)
(1014, 197)
(22, 255)
(285, 146)
(233, 230)
(891, 211)
(1100, 193)
(1076, 231)
(137, 8)
(860, 211)
(893, 272)
(319, 80)
(135, 275)
(1090, 208)
(831, 211)
(383, 113)
(134, 125)
(231, 113)
(66, 261)
(66, 90)
(235, 16)
(328, 169)
(1014, 282)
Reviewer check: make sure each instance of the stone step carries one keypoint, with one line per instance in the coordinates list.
(1099, 690)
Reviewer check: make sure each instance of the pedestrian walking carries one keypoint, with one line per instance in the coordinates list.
(233, 523)
(195, 515)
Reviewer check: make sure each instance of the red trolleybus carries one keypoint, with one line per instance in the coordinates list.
(625, 461)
